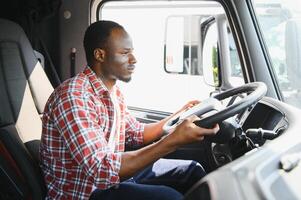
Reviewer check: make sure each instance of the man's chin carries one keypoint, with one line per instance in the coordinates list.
(125, 79)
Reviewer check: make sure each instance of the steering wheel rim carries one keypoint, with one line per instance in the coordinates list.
(255, 91)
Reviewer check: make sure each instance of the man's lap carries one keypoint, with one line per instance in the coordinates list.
(134, 191)
(165, 179)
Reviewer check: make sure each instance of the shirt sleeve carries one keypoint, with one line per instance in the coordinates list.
(79, 124)
(133, 131)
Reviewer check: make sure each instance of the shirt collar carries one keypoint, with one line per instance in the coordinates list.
(97, 84)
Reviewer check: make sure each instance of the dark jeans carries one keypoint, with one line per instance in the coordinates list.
(166, 179)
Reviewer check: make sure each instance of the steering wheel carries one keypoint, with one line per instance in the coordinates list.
(215, 111)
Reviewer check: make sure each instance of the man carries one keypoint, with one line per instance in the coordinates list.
(86, 127)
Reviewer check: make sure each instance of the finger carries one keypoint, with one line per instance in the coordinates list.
(209, 131)
(192, 118)
(215, 128)
(200, 138)
(192, 103)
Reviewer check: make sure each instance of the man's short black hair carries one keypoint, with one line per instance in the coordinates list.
(97, 35)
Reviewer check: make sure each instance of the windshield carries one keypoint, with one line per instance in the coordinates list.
(280, 23)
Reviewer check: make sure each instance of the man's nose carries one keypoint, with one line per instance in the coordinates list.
(132, 59)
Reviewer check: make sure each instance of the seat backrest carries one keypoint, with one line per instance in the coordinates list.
(24, 90)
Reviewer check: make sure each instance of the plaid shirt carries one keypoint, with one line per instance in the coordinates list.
(77, 123)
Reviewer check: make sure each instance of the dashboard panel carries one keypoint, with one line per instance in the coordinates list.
(266, 116)
(269, 171)
(264, 121)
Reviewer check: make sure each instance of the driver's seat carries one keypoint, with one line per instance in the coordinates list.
(24, 90)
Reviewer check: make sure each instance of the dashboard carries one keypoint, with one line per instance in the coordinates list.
(269, 171)
(263, 118)
(249, 130)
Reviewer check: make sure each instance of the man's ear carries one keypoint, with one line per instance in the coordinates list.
(99, 54)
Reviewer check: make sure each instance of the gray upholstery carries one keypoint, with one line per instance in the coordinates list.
(24, 90)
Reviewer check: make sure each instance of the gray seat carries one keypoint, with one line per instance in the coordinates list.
(24, 90)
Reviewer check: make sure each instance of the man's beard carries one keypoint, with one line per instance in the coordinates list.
(126, 80)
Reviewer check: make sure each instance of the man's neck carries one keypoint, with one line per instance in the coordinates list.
(107, 81)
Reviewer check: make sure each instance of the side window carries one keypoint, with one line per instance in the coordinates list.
(178, 51)
(235, 63)
(280, 23)
(236, 77)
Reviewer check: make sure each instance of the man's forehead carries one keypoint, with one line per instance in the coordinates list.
(118, 33)
(120, 38)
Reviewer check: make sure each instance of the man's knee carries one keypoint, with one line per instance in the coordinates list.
(197, 170)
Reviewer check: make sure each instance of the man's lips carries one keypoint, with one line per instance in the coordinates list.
(131, 68)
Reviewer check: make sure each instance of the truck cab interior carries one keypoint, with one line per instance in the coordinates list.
(250, 88)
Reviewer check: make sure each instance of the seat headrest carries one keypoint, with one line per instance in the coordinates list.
(13, 33)
(17, 54)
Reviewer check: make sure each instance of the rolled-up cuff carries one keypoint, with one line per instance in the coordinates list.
(139, 138)
(109, 171)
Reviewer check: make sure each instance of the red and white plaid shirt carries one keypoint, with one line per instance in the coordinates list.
(77, 123)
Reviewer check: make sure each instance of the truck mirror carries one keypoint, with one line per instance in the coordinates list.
(174, 45)
(182, 45)
(210, 54)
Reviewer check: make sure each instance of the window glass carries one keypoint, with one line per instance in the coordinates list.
(167, 41)
(236, 78)
(234, 59)
(280, 23)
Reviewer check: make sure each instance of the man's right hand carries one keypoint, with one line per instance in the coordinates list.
(187, 132)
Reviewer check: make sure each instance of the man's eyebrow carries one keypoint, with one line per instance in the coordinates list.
(128, 49)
